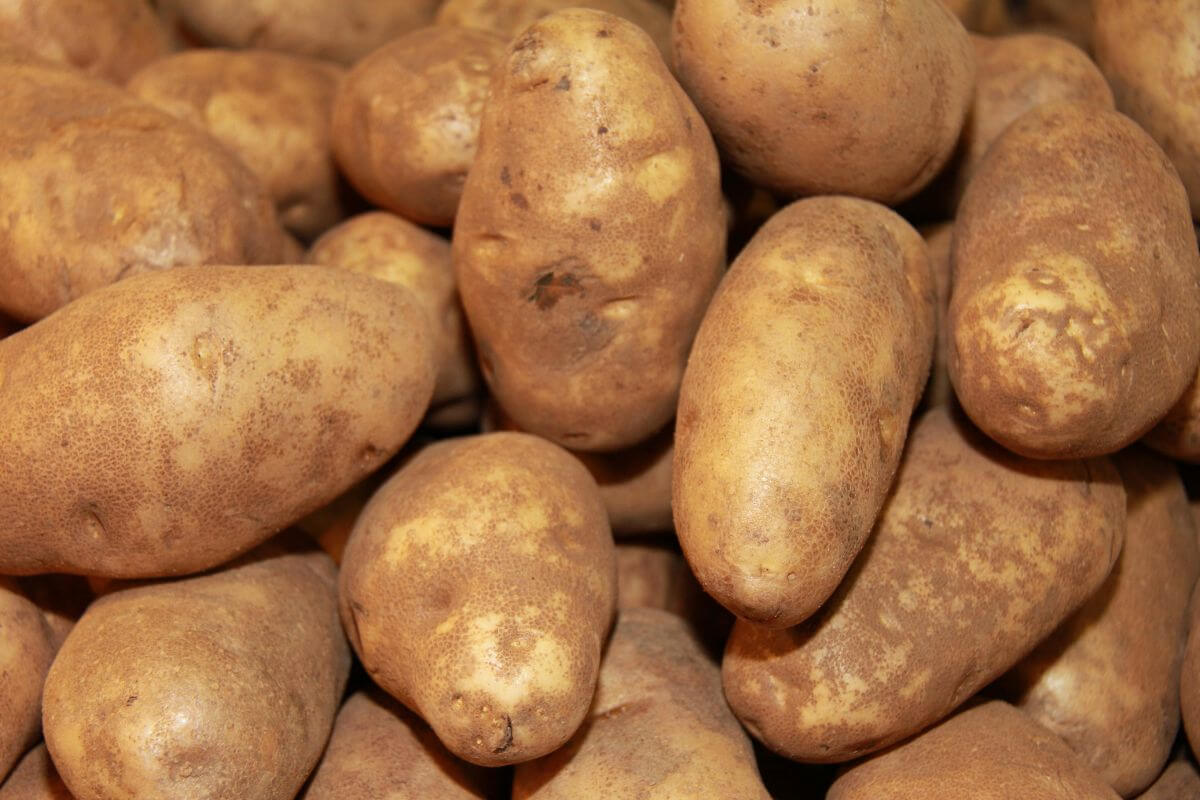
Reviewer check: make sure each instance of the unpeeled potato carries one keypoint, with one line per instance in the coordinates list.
(35, 778)
(1179, 781)
(26, 650)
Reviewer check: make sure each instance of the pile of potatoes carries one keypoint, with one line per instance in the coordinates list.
(632, 399)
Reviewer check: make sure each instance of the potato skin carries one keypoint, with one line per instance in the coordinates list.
(591, 234)
(26, 650)
(1076, 285)
(978, 555)
(981, 16)
(1179, 781)
(800, 384)
(1189, 683)
(828, 96)
(261, 393)
(478, 587)
(35, 778)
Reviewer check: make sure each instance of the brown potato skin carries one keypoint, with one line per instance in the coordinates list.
(981, 16)
(26, 649)
(800, 384)
(978, 555)
(478, 587)
(1076, 285)
(233, 694)
(261, 393)
(1179, 781)
(812, 97)
(35, 778)
(591, 234)
(1189, 683)
(658, 729)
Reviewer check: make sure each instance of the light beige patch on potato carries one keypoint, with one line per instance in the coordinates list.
(664, 175)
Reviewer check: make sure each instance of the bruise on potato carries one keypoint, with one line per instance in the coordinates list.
(978, 555)
(477, 588)
(1076, 285)
(27, 647)
(1179, 781)
(35, 778)
(590, 235)
(796, 402)
(658, 728)
(174, 420)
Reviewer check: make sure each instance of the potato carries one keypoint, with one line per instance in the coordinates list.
(1069, 19)
(174, 420)
(1189, 688)
(590, 236)
(799, 386)
(100, 186)
(62, 600)
(35, 778)
(220, 685)
(658, 729)
(477, 588)
(1179, 781)
(983, 16)
(828, 96)
(272, 110)
(978, 556)
(991, 751)
(939, 238)
(26, 650)
(406, 119)
(1076, 285)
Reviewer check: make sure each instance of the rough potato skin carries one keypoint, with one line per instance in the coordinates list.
(978, 555)
(1179, 781)
(478, 587)
(26, 650)
(796, 402)
(828, 96)
(1076, 285)
(176, 419)
(591, 233)
(989, 752)
(218, 686)
(1189, 686)
(35, 778)
(658, 729)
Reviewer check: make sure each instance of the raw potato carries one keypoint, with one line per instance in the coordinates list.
(989, 752)
(406, 119)
(62, 600)
(478, 587)
(100, 186)
(218, 686)
(591, 235)
(26, 649)
(1189, 688)
(272, 110)
(828, 96)
(1076, 285)
(938, 239)
(1179, 781)
(35, 778)
(796, 402)
(978, 556)
(982, 16)
(176, 419)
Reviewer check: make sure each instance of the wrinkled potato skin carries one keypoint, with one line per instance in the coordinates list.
(26, 650)
(1179, 781)
(477, 588)
(804, 373)
(658, 729)
(35, 778)
(939, 238)
(978, 555)
(261, 394)
(591, 233)
(812, 97)
(1076, 285)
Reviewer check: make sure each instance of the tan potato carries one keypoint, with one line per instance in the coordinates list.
(1076, 285)
(1189, 684)
(799, 386)
(978, 555)
(1179, 781)
(590, 236)
(1069, 19)
(35, 778)
(26, 650)
(477, 588)
(939, 238)
(62, 600)
(195, 412)
(982, 16)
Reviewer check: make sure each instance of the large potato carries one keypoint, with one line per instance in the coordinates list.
(26, 649)
(478, 587)
(590, 236)
(174, 420)
(828, 96)
(1179, 781)
(1076, 285)
(978, 555)
(796, 402)
(35, 778)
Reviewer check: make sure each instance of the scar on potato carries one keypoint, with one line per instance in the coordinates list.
(550, 287)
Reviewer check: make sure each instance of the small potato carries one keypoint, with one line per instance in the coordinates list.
(35, 778)
(478, 587)
(1076, 285)
(978, 555)
(796, 402)
(174, 420)
(26, 649)
(939, 238)
(1179, 781)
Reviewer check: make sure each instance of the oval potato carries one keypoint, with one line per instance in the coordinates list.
(35, 778)
(1189, 680)
(1179, 781)
(26, 649)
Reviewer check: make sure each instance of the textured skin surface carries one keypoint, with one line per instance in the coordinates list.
(828, 96)
(796, 402)
(35, 778)
(176, 419)
(1189, 684)
(478, 587)
(591, 234)
(658, 729)
(1076, 285)
(939, 238)
(978, 556)
(989, 752)
(26, 650)
(1179, 781)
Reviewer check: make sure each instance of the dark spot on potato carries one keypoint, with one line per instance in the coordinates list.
(563, 85)
(519, 201)
(549, 288)
(130, 700)
(602, 130)
(603, 33)
(506, 742)
(505, 176)
(595, 225)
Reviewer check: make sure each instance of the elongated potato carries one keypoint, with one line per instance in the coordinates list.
(1179, 781)
(477, 588)
(1076, 285)
(26, 650)
(35, 778)
(176, 419)
(590, 236)
(800, 386)
(978, 555)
